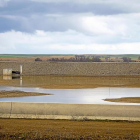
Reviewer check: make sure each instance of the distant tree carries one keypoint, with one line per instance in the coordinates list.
(129, 59)
(106, 59)
(77, 58)
(38, 59)
(125, 59)
(139, 58)
(96, 59)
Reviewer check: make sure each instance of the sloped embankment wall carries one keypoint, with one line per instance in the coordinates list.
(69, 111)
(73, 68)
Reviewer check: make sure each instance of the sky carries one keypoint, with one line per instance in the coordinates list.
(69, 26)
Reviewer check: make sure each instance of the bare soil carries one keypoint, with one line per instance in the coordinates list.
(66, 129)
(125, 100)
(5, 94)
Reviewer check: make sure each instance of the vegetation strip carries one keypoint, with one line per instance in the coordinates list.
(15, 93)
(72, 57)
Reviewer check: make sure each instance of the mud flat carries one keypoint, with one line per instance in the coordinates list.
(6, 94)
(125, 100)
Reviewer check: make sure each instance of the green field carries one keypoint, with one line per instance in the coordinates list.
(132, 56)
(30, 55)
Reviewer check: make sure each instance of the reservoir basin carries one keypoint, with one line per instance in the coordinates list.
(74, 96)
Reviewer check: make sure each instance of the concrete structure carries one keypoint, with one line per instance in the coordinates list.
(20, 69)
(7, 72)
(73, 68)
(69, 111)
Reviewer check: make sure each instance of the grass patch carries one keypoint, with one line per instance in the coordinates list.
(30, 55)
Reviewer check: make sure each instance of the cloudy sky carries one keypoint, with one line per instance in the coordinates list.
(70, 26)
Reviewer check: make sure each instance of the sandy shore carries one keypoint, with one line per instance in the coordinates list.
(125, 100)
(13, 93)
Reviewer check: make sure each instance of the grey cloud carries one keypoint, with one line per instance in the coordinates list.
(3, 3)
(31, 24)
(18, 24)
(124, 5)
(29, 16)
(6, 24)
(62, 23)
(26, 7)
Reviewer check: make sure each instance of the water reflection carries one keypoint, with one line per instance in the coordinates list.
(21, 81)
(7, 77)
(11, 77)
(76, 96)
(69, 82)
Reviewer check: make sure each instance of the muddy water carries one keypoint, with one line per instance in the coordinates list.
(65, 82)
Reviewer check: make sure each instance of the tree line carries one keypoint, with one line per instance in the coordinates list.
(77, 58)
(84, 58)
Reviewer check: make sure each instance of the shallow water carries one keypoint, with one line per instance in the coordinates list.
(69, 81)
(76, 96)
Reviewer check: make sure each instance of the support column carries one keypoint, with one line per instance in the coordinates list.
(21, 69)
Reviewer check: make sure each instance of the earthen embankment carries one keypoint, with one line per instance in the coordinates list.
(73, 68)
(69, 111)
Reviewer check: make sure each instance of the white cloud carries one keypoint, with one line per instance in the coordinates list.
(68, 30)
(82, 33)
(123, 26)
(64, 42)
(95, 25)
(119, 26)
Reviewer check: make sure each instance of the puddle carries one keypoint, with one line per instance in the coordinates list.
(76, 96)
